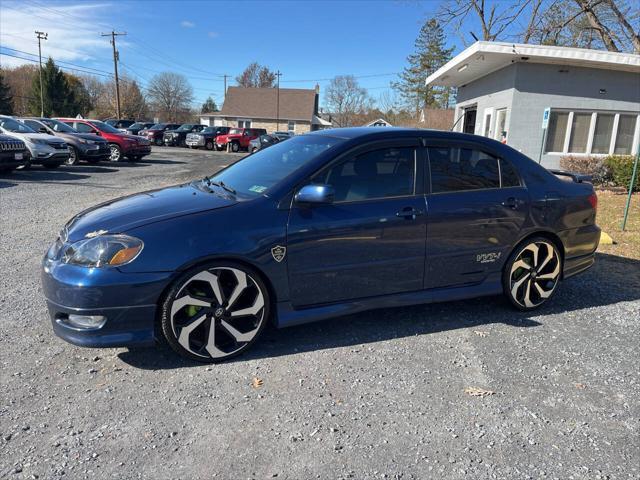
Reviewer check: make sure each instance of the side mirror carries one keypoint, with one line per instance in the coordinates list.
(315, 194)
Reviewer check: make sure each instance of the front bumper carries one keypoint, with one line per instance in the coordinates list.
(137, 150)
(128, 301)
(195, 142)
(102, 153)
(9, 160)
(48, 156)
(171, 142)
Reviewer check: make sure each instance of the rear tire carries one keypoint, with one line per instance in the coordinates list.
(209, 145)
(235, 147)
(228, 296)
(532, 273)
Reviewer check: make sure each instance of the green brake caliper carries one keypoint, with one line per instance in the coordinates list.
(193, 309)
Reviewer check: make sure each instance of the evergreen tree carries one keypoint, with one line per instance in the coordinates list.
(6, 99)
(209, 106)
(430, 54)
(59, 97)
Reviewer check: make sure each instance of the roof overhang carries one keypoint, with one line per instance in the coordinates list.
(320, 121)
(483, 58)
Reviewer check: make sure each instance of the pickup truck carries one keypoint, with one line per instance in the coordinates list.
(206, 138)
(238, 138)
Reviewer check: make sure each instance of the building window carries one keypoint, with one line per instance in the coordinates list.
(598, 133)
(602, 133)
(501, 125)
(244, 123)
(487, 125)
(626, 131)
(557, 131)
(579, 132)
(291, 126)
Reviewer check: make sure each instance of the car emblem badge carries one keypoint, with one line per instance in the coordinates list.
(95, 233)
(278, 253)
(219, 312)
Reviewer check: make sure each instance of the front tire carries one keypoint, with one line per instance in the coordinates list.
(74, 158)
(158, 142)
(228, 297)
(532, 274)
(235, 147)
(209, 145)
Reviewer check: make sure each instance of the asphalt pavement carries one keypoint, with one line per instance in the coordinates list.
(470, 389)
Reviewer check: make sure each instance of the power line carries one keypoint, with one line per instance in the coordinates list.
(63, 67)
(58, 61)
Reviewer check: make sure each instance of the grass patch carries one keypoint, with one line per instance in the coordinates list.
(609, 219)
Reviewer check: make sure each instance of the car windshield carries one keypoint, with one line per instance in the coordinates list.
(58, 126)
(157, 126)
(235, 131)
(138, 125)
(104, 127)
(11, 125)
(208, 130)
(185, 128)
(257, 173)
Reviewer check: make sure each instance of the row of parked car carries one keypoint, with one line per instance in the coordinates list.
(201, 136)
(52, 142)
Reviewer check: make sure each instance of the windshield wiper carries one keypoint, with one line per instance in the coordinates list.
(220, 184)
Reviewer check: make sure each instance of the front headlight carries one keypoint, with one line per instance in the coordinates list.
(37, 141)
(86, 142)
(103, 251)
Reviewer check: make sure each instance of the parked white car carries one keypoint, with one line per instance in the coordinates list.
(48, 151)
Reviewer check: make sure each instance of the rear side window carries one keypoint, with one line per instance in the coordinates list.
(458, 169)
(384, 173)
(508, 174)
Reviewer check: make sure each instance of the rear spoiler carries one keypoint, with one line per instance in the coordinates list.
(576, 177)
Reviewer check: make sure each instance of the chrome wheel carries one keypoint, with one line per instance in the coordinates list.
(216, 313)
(534, 274)
(116, 154)
(73, 156)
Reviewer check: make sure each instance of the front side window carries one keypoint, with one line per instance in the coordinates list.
(58, 126)
(84, 128)
(256, 174)
(626, 130)
(35, 126)
(459, 169)
(556, 132)
(388, 172)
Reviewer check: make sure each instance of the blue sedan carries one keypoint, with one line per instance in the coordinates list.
(324, 224)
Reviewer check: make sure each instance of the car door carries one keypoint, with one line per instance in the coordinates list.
(371, 240)
(477, 206)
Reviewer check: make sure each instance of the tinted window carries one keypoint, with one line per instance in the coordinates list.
(103, 127)
(456, 169)
(508, 174)
(58, 126)
(381, 173)
(11, 125)
(84, 128)
(255, 174)
(33, 124)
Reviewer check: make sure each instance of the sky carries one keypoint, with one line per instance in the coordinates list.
(308, 41)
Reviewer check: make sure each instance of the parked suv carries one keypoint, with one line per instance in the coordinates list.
(82, 146)
(178, 137)
(263, 141)
(239, 138)
(13, 153)
(137, 127)
(154, 133)
(45, 150)
(120, 144)
(206, 138)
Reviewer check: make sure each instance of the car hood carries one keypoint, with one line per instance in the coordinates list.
(125, 213)
(83, 136)
(36, 136)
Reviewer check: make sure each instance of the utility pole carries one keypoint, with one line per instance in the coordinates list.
(224, 97)
(278, 74)
(116, 57)
(41, 36)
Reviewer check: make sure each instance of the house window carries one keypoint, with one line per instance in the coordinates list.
(626, 131)
(244, 123)
(557, 131)
(602, 133)
(291, 126)
(487, 124)
(598, 133)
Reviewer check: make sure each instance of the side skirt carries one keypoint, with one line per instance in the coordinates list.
(288, 316)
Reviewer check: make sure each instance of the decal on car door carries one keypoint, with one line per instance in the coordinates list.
(278, 253)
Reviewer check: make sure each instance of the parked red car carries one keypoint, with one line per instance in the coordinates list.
(155, 133)
(121, 145)
(238, 138)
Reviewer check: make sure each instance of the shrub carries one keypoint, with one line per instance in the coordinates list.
(595, 166)
(621, 167)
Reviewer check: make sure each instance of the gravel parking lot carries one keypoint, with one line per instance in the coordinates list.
(382, 394)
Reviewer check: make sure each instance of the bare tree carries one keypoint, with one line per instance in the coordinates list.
(171, 95)
(256, 76)
(588, 8)
(624, 23)
(346, 100)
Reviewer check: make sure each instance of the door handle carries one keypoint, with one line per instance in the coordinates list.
(409, 213)
(511, 203)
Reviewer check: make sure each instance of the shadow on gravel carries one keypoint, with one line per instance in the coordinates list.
(147, 163)
(612, 279)
(6, 184)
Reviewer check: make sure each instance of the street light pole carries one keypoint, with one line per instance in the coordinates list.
(41, 36)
